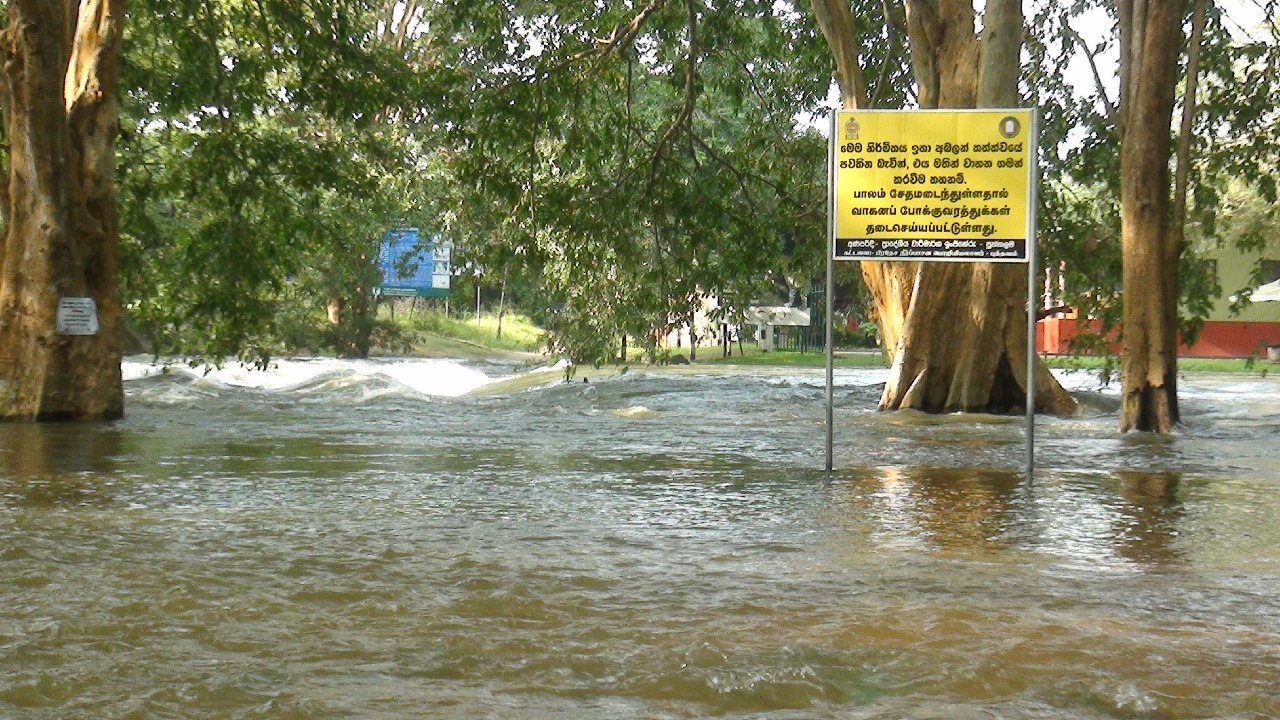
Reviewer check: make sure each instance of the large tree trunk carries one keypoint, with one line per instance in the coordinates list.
(1151, 41)
(59, 95)
(955, 332)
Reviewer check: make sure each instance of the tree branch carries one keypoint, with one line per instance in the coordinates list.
(835, 20)
(683, 120)
(751, 77)
(622, 35)
(407, 18)
(742, 175)
(1108, 105)
(892, 53)
(738, 174)
(1182, 170)
(925, 36)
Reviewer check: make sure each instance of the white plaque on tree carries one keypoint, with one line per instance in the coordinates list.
(77, 316)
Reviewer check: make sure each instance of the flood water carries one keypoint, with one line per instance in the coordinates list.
(367, 540)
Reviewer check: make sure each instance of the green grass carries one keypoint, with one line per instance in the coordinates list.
(1223, 365)
(792, 358)
(1205, 365)
(429, 328)
(432, 333)
(874, 358)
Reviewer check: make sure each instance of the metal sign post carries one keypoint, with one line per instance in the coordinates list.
(1033, 189)
(933, 186)
(831, 282)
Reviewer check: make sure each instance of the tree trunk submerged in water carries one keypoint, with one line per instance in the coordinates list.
(1151, 41)
(955, 332)
(60, 92)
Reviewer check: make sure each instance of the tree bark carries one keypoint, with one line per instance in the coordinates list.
(1149, 350)
(835, 19)
(60, 88)
(955, 333)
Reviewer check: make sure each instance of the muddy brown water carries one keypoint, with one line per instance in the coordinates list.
(657, 545)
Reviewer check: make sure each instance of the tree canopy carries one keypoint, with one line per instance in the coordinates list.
(613, 165)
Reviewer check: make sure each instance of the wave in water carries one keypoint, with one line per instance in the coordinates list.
(436, 378)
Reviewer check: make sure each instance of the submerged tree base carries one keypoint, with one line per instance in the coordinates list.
(972, 354)
(65, 416)
(59, 92)
(1151, 408)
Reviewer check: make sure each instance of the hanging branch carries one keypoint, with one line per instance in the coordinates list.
(684, 119)
(743, 175)
(691, 79)
(835, 20)
(1182, 172)
(892, 54)
(619, 39)
(738, 174)
(1091, 56)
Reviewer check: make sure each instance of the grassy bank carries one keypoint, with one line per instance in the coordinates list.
(1205, 365)
(791, 358)
(875, 358)
(430, 333)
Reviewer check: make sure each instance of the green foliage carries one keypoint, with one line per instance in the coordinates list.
(1237, 138)
(864, 335)
(637, 160)
(256, 171)
(1236, 142)
(792, 358)
(607, 165)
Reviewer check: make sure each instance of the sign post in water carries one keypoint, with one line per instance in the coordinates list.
(934, 186)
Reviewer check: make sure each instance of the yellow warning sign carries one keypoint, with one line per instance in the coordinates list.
(933, 184)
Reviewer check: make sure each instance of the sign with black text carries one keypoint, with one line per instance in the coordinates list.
(76, 316)
(935, 185)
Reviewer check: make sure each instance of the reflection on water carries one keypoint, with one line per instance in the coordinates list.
(28, 450)
(1151, 516)
(655, 546)
(63, 464)
(971, 509)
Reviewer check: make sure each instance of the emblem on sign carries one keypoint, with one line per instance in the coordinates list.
(1010, 127)
(851, 129)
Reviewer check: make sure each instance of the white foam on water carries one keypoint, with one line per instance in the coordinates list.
(451, 378)
(441, 378)
(635, 411)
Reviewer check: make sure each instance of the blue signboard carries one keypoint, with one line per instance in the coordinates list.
(414, 267)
